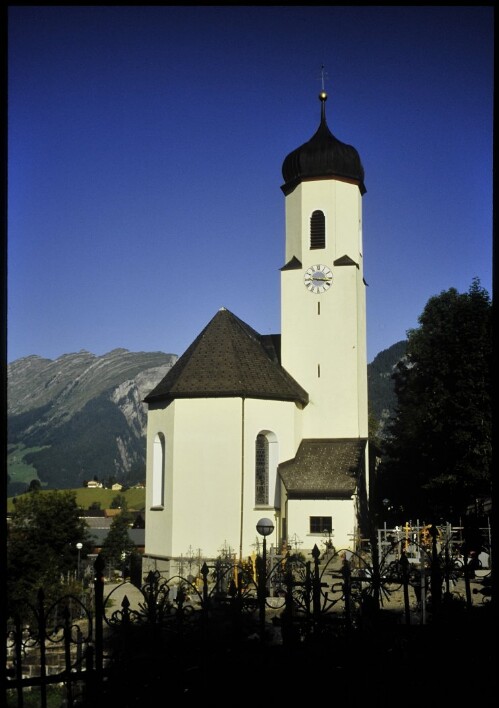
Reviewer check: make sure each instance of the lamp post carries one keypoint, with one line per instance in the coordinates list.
(79, 546)
(264, 527)
(123, 563)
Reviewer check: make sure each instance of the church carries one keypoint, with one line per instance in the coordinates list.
(246, 426)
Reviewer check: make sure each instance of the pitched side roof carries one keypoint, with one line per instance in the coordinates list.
(98, 522)
(98, 536)
(229, 359)
(324, 468)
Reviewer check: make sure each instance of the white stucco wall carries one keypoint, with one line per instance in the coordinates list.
(343, 519)
(324, 336)
(279, 418)
(210, 474)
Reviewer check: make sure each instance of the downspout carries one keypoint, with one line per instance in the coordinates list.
(242, 482)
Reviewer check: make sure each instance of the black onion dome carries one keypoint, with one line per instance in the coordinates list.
(322, 156)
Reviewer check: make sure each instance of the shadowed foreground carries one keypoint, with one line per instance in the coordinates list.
(425, 665)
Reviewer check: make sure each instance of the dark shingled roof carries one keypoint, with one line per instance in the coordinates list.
(229, 359)
(324, 468)
(322, 156)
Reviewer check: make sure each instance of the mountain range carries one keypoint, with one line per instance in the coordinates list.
(81, 417)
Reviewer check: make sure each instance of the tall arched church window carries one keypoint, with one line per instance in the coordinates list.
(317, 230)
(261, 470)
(158, 471)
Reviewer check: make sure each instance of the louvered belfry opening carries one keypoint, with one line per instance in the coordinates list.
(317, 230)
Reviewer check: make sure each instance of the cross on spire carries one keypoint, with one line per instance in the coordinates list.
(324, 76)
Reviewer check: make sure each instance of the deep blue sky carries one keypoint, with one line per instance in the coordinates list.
(145, 153)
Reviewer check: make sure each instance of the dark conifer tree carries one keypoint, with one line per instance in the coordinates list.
(437, 458)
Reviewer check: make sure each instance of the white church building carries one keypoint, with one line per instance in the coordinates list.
(248, 426)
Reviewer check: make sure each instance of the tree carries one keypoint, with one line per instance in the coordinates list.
(374, 425)
(41, 544)
(119, 502)
(437, 457)
(117, 541)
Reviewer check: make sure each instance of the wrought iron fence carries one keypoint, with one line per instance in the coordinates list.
(170, 632)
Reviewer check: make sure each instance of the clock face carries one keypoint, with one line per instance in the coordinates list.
(318, 279)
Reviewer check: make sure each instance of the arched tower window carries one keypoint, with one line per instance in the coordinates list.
(317, 230)
(158, 471)
(261, 469)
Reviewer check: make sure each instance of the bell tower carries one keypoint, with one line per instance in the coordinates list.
(323, 302)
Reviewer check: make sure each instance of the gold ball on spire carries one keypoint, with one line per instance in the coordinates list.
(323, 96)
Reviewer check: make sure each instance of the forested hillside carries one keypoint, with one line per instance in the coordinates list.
(80, 417)
(382, 399)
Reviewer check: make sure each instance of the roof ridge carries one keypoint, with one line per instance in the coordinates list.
(229, 358)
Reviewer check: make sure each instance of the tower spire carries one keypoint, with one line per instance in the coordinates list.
(323, 94)
(323, 78)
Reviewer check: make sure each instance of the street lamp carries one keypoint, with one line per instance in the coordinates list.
(264, 527)
(79, 546)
